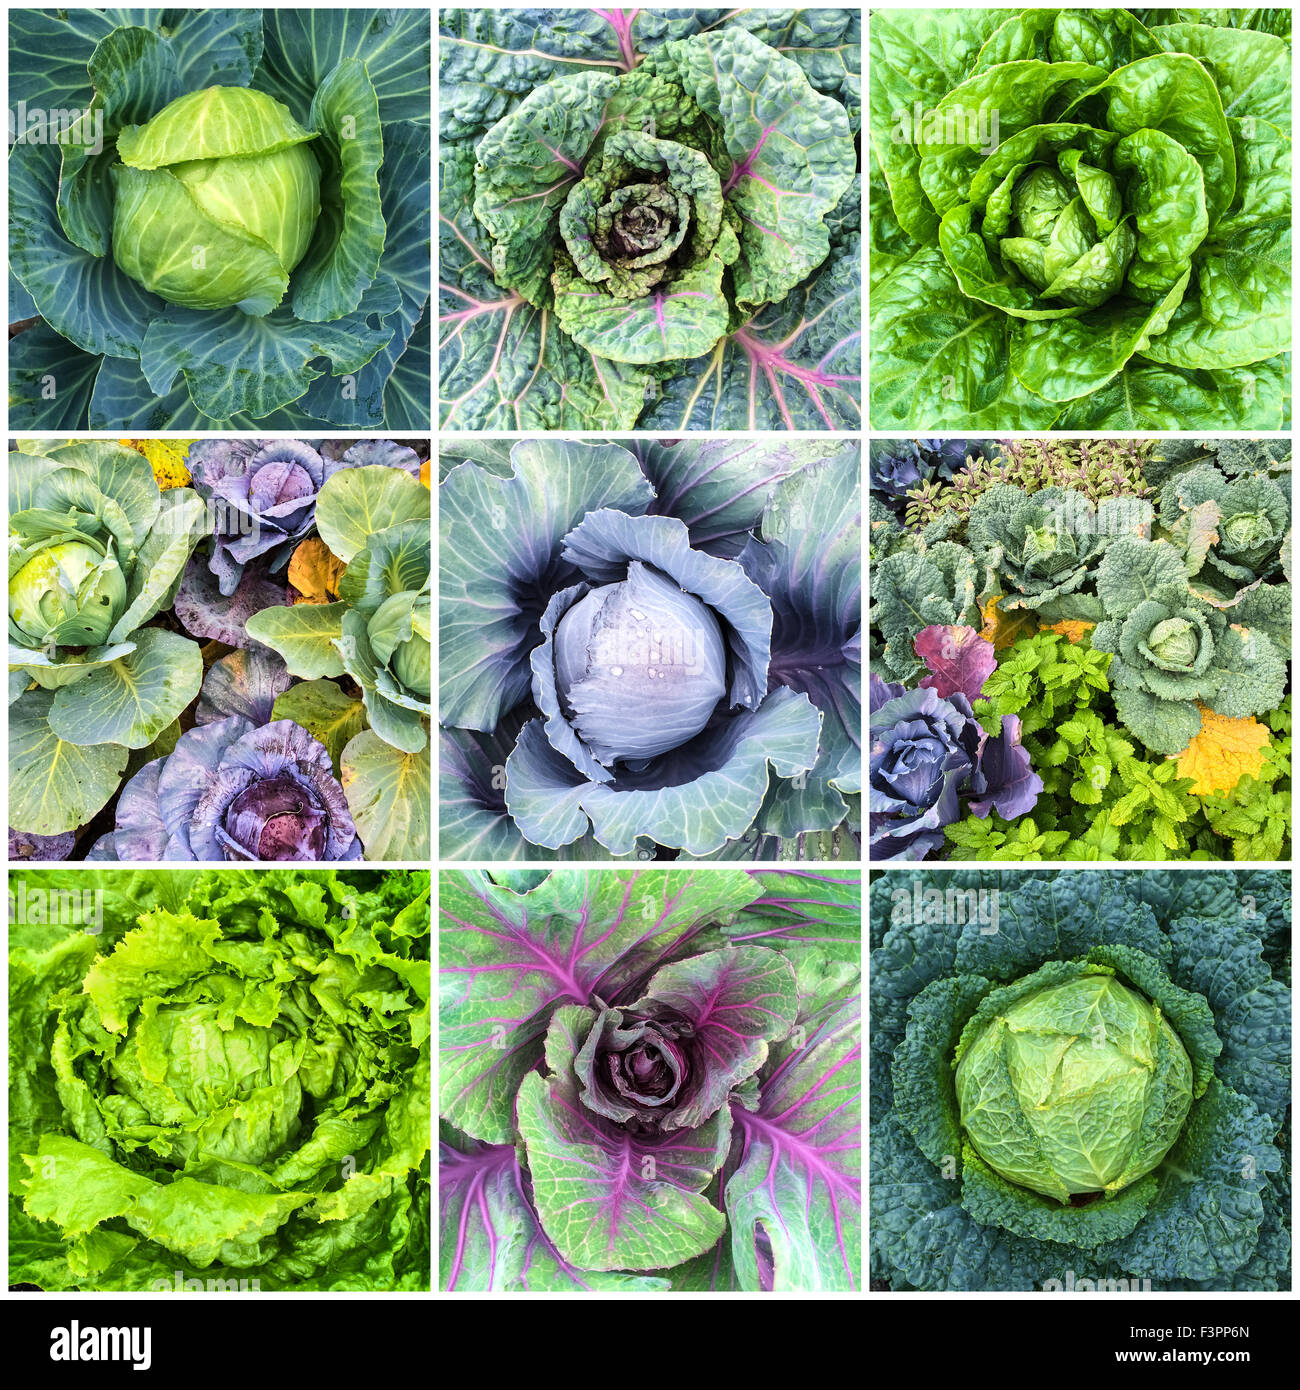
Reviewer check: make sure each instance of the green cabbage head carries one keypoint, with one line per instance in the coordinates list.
(69, 594)
(217, 198)
(399, 636)
(1080, 1086)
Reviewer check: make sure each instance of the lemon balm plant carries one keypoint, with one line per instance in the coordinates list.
(234, 227)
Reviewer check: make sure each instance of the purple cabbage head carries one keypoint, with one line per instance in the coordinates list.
(931, 762)
(233, 790)
(898, 465)
(263, 497)
(639, 1069)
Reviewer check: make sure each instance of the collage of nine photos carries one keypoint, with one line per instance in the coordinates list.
(630, 494)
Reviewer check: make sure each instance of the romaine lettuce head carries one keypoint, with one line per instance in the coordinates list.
(1056, 242)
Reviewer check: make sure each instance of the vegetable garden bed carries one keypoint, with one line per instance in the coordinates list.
(1079, 649)
(219, 649)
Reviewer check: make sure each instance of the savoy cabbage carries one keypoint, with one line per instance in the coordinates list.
(649, 218)
(1080, 1076)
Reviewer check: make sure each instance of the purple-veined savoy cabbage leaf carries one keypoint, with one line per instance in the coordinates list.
(650, 218)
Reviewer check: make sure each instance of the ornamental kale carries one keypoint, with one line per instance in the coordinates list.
(649, 219)
(220, 1076)
(1080, 1076)
(234, 227)
(634, 642)
(649, 1080)
(1059, 242)
(1174, 653)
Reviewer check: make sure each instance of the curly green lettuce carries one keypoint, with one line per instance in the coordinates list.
(220, 1077)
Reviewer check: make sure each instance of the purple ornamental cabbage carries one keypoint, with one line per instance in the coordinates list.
(233, 790)
(924, 751)
(263, 494)
(669, 1097)
(928, 752)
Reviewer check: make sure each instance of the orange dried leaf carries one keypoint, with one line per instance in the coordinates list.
(1073, 628)
(1002, 629)
(1225, 751)
(315, 571)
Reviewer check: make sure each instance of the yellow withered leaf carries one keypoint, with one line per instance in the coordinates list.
(1073, 628)
(167, 458)
(1225, 751)
(314, 570)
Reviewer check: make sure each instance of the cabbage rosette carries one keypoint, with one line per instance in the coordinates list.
(645, 678)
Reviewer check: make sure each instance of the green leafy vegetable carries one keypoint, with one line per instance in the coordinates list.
(220, 1075)
(1080, 1076)
(649, 220)
(1081, 219)
(219, 218)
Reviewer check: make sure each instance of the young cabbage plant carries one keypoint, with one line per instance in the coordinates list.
(236, 228)
(96, 553)
(671, 651)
